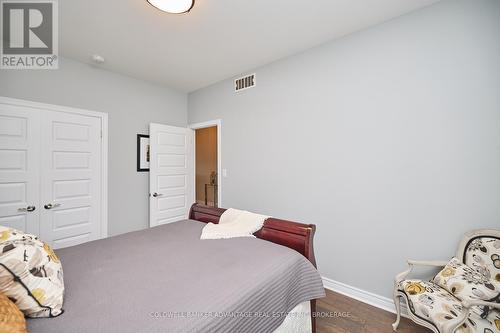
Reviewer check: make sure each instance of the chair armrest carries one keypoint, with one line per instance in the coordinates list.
(470, 303)
(433, 263)
(411, 263)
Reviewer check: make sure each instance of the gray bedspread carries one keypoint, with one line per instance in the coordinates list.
(165, 279)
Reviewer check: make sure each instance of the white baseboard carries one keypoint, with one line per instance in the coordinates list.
(364, 296)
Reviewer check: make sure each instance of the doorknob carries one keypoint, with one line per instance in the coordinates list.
(50, 205)
(26, 209)
(157, 194)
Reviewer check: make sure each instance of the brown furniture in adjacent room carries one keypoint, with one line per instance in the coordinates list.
(214, 189)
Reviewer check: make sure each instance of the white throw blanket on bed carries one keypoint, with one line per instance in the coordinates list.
(234, 223)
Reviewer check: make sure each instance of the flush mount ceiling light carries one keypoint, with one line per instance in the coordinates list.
(173, 6)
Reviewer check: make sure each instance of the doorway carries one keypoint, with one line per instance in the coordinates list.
(207, 163)
(175, 160)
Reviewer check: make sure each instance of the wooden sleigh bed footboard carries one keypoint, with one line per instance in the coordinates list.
(294, 235)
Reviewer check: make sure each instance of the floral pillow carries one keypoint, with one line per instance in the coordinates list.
(465, 283)
(30, 274)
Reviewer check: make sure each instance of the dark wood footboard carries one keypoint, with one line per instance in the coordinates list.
(297, 236)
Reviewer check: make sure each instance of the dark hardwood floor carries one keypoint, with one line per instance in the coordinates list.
(358, 317)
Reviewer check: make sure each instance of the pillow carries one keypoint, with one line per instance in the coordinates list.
(30, 274)
(11, 318)
(468, 284)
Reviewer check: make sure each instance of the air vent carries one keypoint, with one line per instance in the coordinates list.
(245, 82)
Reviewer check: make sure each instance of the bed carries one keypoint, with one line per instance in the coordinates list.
(165, 279)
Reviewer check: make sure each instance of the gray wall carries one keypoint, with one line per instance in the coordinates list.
(388, 140)
(131, 105)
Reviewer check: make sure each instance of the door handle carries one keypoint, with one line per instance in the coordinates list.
(157, 195)
(26, 209)
(50, 205)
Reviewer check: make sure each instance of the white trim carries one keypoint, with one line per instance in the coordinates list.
(211, 123)
(51, 107)
(104, 146)
(364, 296)
(104, 175)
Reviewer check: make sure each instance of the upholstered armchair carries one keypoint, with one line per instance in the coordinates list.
(464, 297)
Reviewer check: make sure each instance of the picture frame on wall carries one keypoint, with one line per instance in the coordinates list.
(143, 153)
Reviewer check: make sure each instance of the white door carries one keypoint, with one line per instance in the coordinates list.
(70, 178)
(19, 167)
(171, 173)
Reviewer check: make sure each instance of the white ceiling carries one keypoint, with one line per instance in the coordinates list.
(218, 39)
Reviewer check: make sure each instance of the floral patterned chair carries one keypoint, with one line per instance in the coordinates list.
(464, 297)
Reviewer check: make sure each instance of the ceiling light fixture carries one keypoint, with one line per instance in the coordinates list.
(173, 6)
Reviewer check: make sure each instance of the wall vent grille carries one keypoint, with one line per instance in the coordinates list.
(245, 82)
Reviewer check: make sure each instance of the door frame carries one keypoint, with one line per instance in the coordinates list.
(104, 146)
(205, 124)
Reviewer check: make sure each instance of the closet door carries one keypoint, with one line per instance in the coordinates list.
(70, 178)
(19, 167)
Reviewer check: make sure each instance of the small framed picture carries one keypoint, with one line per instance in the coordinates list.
(143, 153)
